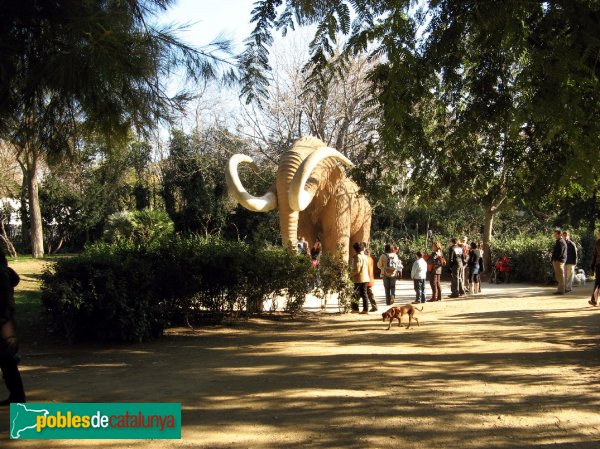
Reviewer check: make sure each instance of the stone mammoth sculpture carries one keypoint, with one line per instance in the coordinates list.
(314, 196)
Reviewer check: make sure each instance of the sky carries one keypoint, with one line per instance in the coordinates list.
(209, 18)
(205, 21)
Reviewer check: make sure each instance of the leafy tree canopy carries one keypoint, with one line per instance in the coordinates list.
(518, 83)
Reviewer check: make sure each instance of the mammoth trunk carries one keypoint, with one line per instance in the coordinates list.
(288, 165)
(289, 228)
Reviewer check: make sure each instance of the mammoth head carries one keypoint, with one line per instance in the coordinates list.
(299, 197)
(296, 166)
(303, 170)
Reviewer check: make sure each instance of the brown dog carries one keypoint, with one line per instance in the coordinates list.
(398, 312)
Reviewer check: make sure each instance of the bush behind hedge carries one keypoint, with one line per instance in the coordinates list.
(130, 292)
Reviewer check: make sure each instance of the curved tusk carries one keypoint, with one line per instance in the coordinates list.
(264, 203)
(298, 197)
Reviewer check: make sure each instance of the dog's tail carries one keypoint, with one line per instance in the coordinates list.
(420, 310)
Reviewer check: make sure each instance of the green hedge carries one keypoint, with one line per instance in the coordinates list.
(129, 292)
(530, 256)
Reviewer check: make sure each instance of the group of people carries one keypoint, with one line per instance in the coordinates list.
(314, 253)
(564, 261)
(465, 262)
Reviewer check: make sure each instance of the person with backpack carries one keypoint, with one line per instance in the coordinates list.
(437, 263)
(390, 265)
(8, 339)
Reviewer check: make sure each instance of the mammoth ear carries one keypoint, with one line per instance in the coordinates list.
(298, 197)
(263, 203)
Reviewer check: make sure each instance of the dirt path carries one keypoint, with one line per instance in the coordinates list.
(516, 367)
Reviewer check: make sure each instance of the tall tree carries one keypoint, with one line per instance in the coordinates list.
(104, 64)
(194, 189)
(485, 101)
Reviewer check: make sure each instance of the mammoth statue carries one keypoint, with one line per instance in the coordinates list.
(315, 198)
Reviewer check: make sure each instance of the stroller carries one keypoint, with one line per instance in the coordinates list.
(501, 271)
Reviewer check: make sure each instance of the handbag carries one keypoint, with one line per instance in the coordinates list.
(13, 276)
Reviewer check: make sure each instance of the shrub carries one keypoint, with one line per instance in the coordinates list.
(140, 226)
(529, 256)
(333, 278)
(130, 292)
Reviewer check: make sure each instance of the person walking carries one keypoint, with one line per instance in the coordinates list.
(437, 263)
(456, 259)
(596, 269)
(371, 282)
(417, 274)
(559, 257)
(473, 264)
(481, 270)
(571, 261)
(8, 339)
(464, 277)
(360, 275)
(390, 265)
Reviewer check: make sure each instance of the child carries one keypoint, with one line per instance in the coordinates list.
(417, 274)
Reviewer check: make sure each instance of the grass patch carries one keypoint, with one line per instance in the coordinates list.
(30, 312)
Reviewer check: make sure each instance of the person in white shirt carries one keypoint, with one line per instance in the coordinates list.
(417, 274)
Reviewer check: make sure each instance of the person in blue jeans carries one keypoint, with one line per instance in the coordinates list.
(417, 274)
(390, 265)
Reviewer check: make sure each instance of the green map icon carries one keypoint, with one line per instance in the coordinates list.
(24, 420)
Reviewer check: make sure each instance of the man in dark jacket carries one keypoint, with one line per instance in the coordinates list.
(559, 258)
(571, 261)
(8, 338)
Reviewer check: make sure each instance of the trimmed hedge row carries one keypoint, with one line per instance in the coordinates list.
(128, 292)
(530, 256)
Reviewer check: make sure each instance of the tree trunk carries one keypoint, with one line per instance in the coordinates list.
(35, 214)
(23, 212)
(12, 252)
(487, 237)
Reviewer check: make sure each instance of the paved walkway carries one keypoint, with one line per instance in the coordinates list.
(405, 294)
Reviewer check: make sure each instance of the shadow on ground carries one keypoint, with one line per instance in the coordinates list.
(468, 377)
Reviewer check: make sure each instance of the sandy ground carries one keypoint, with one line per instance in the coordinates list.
(512, 367)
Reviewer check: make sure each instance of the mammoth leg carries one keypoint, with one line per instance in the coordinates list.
(361, 221)
(307, 229)
(363, 234)
(336, 240)
(336, 224)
